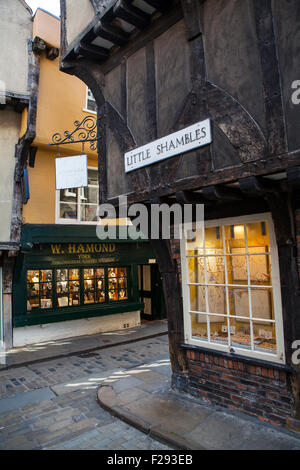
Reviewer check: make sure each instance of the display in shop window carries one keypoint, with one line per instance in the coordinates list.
(230, 287)
(39, 289)
(100, 285)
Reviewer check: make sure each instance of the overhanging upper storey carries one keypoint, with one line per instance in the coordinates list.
(105, 25)
(194, 96)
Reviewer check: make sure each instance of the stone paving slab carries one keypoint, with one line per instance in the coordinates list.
(183, 422)
(24, 399)
(72, 419)
(18, 357)
(89, 382)
(82, 368)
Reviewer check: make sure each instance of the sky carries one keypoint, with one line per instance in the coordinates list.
(53, 6)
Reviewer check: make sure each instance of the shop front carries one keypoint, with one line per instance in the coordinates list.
(74, 285)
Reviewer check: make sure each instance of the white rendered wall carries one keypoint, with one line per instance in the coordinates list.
(41, 333)
(79, 14)
(15, 31)
(10, 123)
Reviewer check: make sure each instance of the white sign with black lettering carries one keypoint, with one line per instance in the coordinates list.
(180, 142)
(71, 172)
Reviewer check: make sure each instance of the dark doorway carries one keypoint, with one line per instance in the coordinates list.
(151, 293)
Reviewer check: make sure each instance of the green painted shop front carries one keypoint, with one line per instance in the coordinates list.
(66, 273)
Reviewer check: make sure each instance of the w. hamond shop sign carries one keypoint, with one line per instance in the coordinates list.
(180, 142)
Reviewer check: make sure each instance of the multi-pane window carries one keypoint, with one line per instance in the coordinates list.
(117, 284)
(91, 104)
(48, 289)
(80, 204)
(67, 287)
(94, 286)
(231, 287)
(39, 289)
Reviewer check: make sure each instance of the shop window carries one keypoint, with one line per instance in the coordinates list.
(67, 287)
(117, 284)
(80, 204)
(75, 287)
(231, 288)
(94, 286)
(39, 289)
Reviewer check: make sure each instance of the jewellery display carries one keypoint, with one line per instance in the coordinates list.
(39, 289)
(75, 287)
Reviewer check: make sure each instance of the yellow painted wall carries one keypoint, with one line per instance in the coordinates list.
(47, 27)
(61, 101)
(40, 208)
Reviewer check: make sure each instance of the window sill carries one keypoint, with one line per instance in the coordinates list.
(74, 222)
(88, 111)
(237, 357)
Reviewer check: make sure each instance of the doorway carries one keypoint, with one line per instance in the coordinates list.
(151, 293)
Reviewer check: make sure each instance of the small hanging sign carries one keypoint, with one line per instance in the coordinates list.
(71, 172)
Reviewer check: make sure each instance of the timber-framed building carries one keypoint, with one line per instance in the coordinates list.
(232, 293)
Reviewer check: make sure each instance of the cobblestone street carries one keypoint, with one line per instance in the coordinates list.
(52, 405)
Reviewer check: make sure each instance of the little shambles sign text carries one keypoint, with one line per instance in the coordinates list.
(180, 142)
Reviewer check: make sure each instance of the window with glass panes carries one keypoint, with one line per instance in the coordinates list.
(68, 287)
(94, 285)
(117, 284)
(80, 204)
(39, 289)
(231, 287)
(91, 104)
(47, 289)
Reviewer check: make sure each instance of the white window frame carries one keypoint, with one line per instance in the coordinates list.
(276, 285)
(77, 221)
(87, 98)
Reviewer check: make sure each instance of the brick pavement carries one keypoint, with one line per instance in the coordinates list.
(74, 420)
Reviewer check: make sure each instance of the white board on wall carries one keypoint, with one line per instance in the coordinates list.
(71, 172)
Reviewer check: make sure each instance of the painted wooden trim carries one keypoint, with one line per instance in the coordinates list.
(75, 314)
(280, 357)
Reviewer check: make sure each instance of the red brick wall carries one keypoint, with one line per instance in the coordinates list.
(261, 392)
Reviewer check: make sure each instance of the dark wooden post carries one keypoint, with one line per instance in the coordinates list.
(174, 307)
(283, 217)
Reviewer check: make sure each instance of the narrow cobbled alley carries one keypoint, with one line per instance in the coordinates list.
(53, 404)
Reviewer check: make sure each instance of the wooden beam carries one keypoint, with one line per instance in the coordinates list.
(190, 197)
(52, 53)
(9, 246)
(222, 193)
(19, 105)
(160, 5)
(131, 14)
(293, 177)
(111, 33)
(192, 15)
(91, 51)
(257, 186)
(32, 155)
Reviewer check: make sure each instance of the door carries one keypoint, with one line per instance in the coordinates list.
(151, 293)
